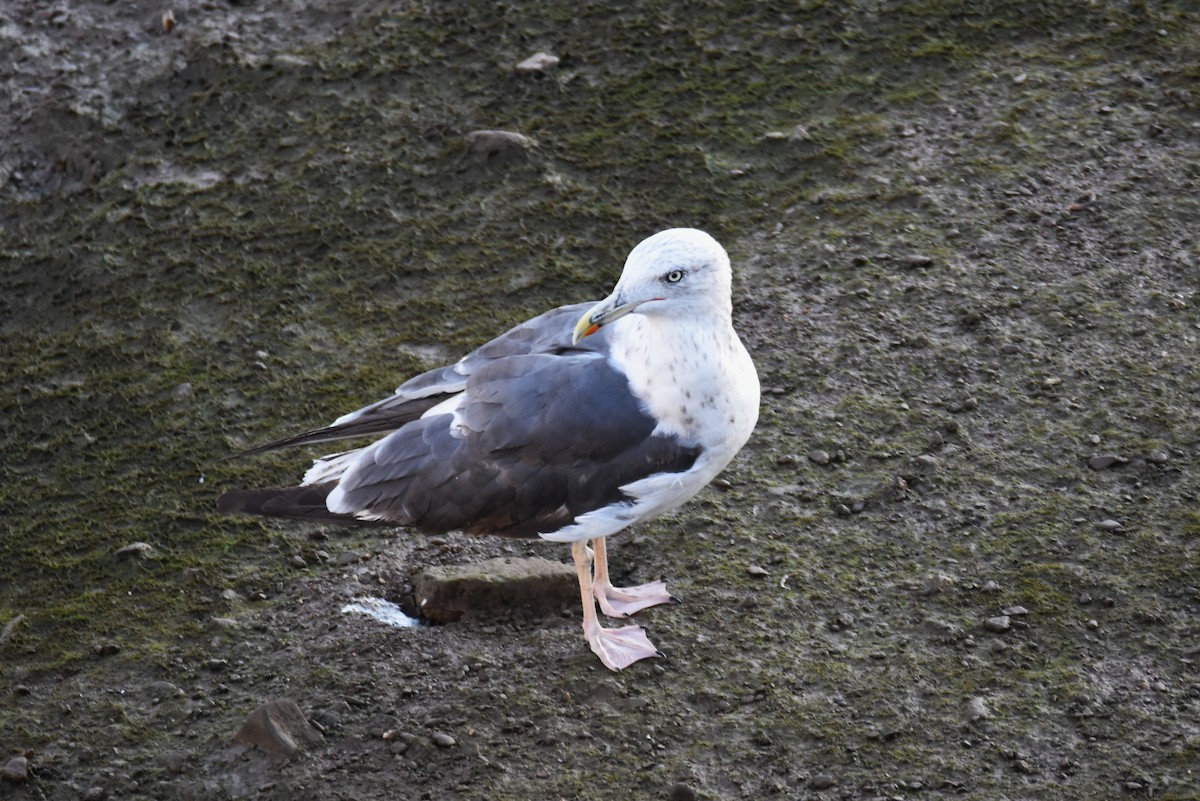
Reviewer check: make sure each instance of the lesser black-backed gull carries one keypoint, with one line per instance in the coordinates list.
(570, 427)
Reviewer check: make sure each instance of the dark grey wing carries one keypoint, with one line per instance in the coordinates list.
(539, 440)
(547, 333)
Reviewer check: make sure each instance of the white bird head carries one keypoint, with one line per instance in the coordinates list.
(680, 272)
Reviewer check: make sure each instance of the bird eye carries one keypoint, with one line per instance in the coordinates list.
(674, 277)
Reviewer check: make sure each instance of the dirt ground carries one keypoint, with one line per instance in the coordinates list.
(960, 557)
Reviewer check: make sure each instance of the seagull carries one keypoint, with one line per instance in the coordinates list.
(570, 427)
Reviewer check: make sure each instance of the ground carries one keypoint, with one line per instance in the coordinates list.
(960, 557)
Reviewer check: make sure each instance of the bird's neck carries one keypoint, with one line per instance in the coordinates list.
(692, 374)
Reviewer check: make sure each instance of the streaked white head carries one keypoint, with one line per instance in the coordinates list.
(678, 272)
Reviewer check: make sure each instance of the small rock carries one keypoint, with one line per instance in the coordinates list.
(681, 792)
(1014, 611)
(822, 781)
(277, 727)
(537, 63)
(445, 594)
(939, 582)
(106, 649)
(1103, 461)
(15, 770)
(755, 570)
(298, 561)
(819, 457)
(916, 260)
(1158, 457)
(498, 147)
(135, 550)
(977, 709)
(231, 595)
(998, 624)
(1108, 524)
(348, 558)
(443, 740)
(990, 586)
(925, 463)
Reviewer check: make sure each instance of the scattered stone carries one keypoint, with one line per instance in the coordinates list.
(991, 586)
(298, 561)
(1158, 457)
(231, 595)
(15, 770)
(445, 594)
(926, 463)
(755, 570)
(1103, 461)
(161, 690)
(106, 649)
(1014, 611)
(135, 550)
(916, 260)
(939, 582)
(1108, 524)
(998, 624)
(1093, 624)
(977, 709)
(443, 740)
(278, 727)
(681, 792)
(822, 781)
(819, 457)
(537, 63)
(498, 147)
(348, 558)
(226, 623)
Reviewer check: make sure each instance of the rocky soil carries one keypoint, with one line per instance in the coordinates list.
(960, 558)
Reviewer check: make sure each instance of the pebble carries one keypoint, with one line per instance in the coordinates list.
(15, 770)
(1014, 611)
(135, 550)
(977, 709)
(998, 624)
(537, 63)
(1108, 524)
(348, 558)
(819, 457)
(443, 740)
(1103, 461)
(822, 781)
(681, 792)
(939, 582)
(498, 147)
(991, 586)
(926, 463)
(1158, 457)
(278, 727)
(917, 260)
(298, 561)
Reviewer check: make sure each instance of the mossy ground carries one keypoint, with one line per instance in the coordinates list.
(279, 224)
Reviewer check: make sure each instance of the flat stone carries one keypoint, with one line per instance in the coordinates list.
(977, 709)
(537, 63)
(1103, 461)
(279, 728)
(443, 740)
(819, 456)
(15, 770)
(496, 148)
(135, 550)
(1109, 525)
(998, 624)
(445, 594)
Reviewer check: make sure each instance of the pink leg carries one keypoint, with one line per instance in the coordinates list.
(623, 601)
(617, 648)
